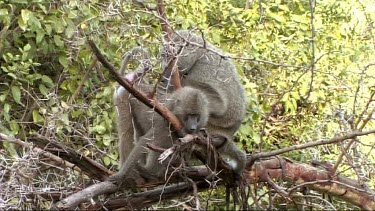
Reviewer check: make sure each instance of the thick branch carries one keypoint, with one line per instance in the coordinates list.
(86, 194)
(87, 165)
(274, 168)
(319, 180)
(148, 198)
(152, 103)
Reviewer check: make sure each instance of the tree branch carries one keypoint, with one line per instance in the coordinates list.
(152, 103)
(307, 145)
(5, 138)
(87, 165)
(172, 65)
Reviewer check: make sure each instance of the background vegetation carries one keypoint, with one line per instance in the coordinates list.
(307, 67)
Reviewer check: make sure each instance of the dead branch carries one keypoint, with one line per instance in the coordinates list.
(308, 145)
(87, 165)
(106, 187)
(62, 162)
(274, 168)
(148, 198)
(213, 160)
(319, 180)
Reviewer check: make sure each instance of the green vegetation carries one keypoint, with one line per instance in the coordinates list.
(306, 77)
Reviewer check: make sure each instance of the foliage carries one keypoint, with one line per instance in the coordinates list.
(51, 84)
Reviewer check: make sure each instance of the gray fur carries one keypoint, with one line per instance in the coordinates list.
(218, 79)
(183, 103)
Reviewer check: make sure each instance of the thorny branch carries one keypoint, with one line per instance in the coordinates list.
(152, 103)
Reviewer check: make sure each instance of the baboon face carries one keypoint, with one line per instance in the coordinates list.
(191, 107)
(192, 123)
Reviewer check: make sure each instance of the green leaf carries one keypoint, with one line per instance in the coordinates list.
(100, 129)
(256, 138)
(18, 1)
(277, 17)
(58, 40)
(16, 92)
(43, 90)
(39, 36)
(3, 12)
(48, 29)
(12, 75)
(65, 118)
(14, 127)
(47, 80)
(3, 97)
(107, 160)
(107, 140)
(22, 24)
(25, 15)
(6, 108)
(64, 61)
(283, 7)
(37, 118)
(107, 91)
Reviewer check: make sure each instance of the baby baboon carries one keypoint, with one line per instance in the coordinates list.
(190, 107)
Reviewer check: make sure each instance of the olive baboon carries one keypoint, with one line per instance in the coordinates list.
(190, 107)
(203, 69)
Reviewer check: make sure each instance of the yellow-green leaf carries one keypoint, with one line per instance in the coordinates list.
(16, 92)
(47, 80)
(25, 15)
(3, 12)
(37, 118)
(58, 40)
(107, 160)
(63, 61)
(43, 89)
(22, 24)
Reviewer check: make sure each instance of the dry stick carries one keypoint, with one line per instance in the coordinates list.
(307, 145)
(91, 167)
(168, 33)
(371, 99)
(348, 145)
(152, 103)
(6, 138)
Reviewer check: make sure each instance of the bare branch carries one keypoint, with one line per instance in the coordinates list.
(59, 160)
(87, 165)
(152, 103)
(307, 145)
(300, 174)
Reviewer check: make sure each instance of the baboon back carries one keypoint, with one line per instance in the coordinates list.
(217, 78)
